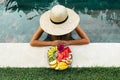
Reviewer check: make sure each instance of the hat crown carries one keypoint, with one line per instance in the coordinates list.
(58, 13)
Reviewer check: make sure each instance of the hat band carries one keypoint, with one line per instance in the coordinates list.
(59, 22)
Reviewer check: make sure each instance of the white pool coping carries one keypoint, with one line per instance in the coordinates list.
(91, 55)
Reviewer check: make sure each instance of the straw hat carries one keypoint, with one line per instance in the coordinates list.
(59, 20)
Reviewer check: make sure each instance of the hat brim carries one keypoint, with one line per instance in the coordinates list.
(59, 29)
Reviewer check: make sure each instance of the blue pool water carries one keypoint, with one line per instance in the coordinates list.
(20, 19)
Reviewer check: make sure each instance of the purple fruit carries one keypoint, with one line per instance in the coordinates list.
(60, 47)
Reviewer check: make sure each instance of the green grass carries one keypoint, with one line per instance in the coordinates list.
(94, 73)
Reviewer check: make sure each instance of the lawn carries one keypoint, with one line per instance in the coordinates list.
(93, 73)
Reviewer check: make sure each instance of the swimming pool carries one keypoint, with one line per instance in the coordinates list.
(19, 19)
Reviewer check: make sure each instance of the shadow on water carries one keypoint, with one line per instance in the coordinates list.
(27, 5)
(79, 4)
(100, 19)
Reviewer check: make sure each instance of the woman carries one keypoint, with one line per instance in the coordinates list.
(59, 22)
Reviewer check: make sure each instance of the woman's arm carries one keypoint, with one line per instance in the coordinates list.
(84, 38)
(35, 42)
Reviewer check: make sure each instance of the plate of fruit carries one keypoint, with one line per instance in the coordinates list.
(59, 57)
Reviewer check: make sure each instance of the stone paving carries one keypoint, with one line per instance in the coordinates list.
(91, 55)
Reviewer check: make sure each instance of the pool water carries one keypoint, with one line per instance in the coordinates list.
(19, 19)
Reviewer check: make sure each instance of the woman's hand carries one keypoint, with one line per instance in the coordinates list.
(56, 42)
(66, 43)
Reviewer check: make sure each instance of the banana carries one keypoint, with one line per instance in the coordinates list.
(53, 62)
(53, 66)
(69, 61)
